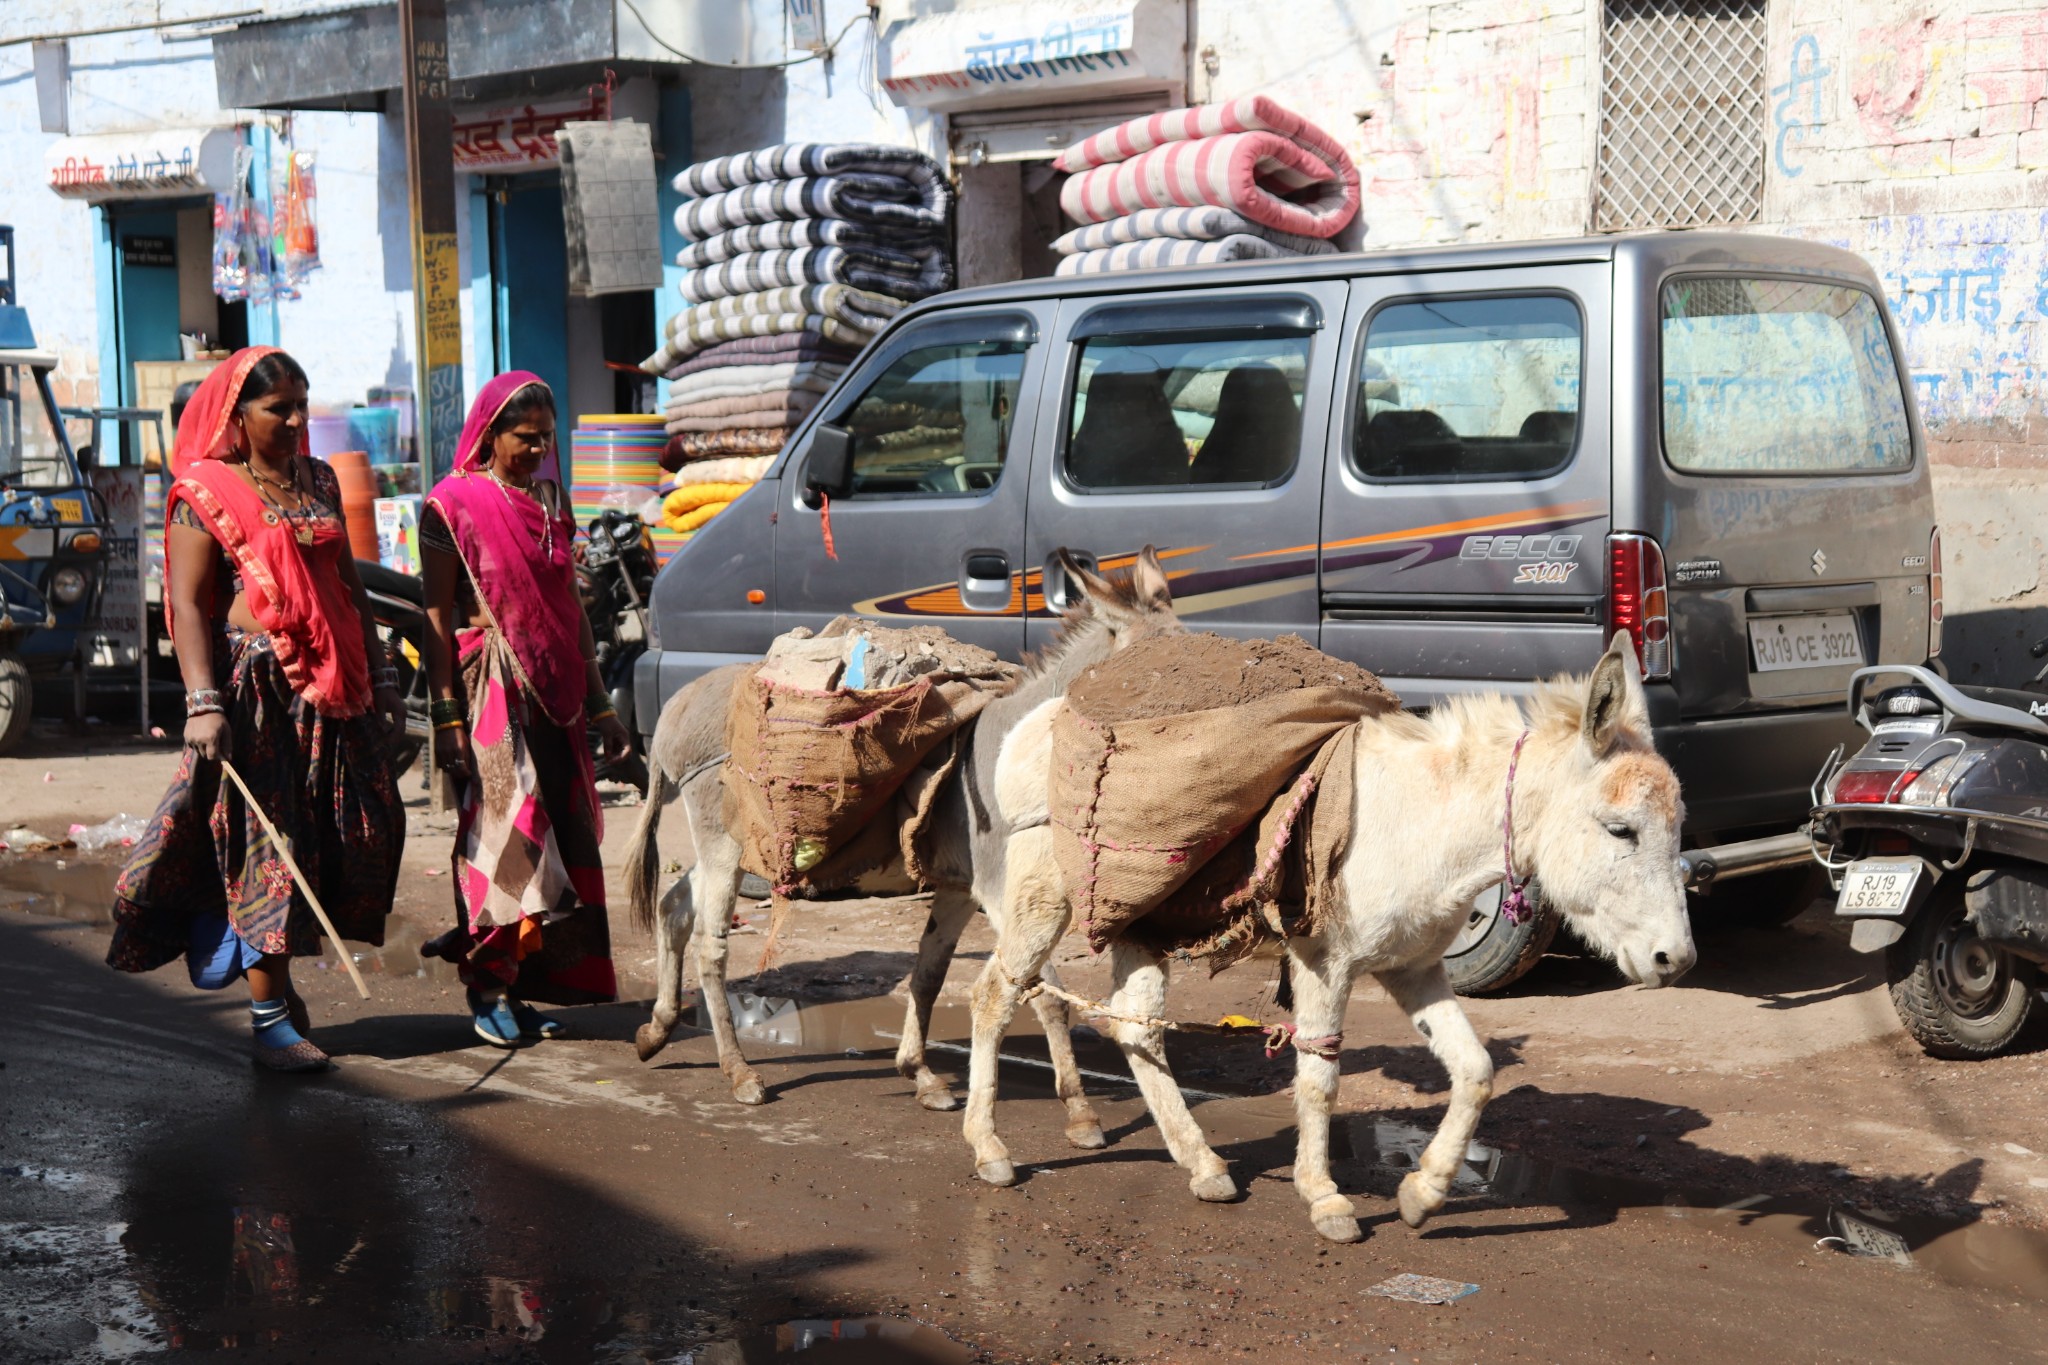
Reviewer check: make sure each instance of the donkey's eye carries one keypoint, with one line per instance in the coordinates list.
(1626, 833)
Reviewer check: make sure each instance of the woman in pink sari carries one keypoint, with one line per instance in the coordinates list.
(515, 685)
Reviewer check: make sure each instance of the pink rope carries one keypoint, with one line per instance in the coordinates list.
(1515, 905)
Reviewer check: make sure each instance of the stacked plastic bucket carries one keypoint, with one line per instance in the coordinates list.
(615, 462)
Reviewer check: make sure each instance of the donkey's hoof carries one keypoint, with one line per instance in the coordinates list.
(1214, 1189)
(1336, 1219)
(649, 1039)
(747, 1088)
(1414, 1202)
(1086, 1134)
(998, 1172)
(935, 1095)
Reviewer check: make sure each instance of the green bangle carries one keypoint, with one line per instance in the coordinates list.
(445, 709)
(597, 705)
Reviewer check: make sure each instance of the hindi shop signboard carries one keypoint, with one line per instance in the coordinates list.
(161, 163)
(1012, 54)
(521, 139)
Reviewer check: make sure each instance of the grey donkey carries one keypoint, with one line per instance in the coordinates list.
(969, 839)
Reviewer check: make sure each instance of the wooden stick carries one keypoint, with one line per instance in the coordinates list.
(285, 849)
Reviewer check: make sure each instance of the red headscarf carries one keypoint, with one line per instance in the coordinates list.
(529, 591)
(295, 591)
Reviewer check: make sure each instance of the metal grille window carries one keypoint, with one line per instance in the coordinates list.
(1681, 113)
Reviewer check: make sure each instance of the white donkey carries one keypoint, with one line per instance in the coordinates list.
(969, 841)
(1588, 809)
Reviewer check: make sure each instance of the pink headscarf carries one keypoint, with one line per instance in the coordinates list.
(529, 593)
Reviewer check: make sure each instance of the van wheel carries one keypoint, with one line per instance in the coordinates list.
(17, 702)
(1489, 954)
(1957, 995)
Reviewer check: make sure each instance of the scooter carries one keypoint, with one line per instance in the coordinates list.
(399, 603)
(1935, 835)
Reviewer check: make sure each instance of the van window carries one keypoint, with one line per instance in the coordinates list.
(1469, 389)
(937, 422)
(1186, 408)
(1766, 376)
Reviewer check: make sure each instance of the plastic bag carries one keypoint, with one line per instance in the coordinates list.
(230, 278)
(122, 830)
(301, 233)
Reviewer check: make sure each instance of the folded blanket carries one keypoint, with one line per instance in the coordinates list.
(754, 271)
(724, 469)
(748, 380)
(778, 349)
(697, 516)
(1159, 252)
(839, 311)
(904, 248)
(1206, 223)
(693, 445)
(879, 200)
(792, 160)
(694, 495)
(1252, 155)
(800, 400)
(785, 411)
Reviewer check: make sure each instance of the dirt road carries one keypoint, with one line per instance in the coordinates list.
(1649, 1183)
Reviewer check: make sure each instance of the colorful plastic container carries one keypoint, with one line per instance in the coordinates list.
(614, 461)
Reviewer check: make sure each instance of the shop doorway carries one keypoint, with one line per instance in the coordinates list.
(537, 325)
(159, 256)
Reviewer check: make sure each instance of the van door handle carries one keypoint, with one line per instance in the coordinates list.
(1059, 593)
(985, 580)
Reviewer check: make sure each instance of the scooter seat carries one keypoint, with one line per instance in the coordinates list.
(391, 583)
(2026, 703)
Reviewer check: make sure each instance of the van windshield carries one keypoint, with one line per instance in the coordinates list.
(1764, 376)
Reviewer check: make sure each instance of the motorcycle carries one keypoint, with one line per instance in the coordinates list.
(615, 571)
(1935, 835)
(399, 603)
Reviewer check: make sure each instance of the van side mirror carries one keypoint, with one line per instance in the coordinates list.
(828, 466)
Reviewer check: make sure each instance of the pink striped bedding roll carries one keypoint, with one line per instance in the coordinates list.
(1251, 155)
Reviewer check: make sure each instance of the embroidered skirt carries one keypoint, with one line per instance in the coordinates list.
(529, 873)
(205, 882)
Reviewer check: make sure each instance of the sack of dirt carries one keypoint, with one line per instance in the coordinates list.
(841, 740)
(1186, 769)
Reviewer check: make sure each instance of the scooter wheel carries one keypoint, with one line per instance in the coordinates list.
(1957, 995)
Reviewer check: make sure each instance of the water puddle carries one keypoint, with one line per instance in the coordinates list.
(2006, 1260)
(60, 887)
(837, 1341)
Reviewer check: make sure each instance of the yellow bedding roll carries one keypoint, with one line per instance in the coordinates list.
(694, 495)
(697, 516)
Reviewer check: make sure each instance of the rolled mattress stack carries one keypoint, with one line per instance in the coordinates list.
(1245, 180)
(797, 255)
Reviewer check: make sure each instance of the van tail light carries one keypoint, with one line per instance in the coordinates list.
(1934, 605)
(1637, 602)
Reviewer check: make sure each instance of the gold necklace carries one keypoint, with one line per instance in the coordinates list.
(300, 518)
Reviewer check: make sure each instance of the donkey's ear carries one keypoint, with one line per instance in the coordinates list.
(1615, 705)
(1148, 576)
(1092, 587)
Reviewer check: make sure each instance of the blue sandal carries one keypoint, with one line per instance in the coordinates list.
(532, 1023)
(494, 1021)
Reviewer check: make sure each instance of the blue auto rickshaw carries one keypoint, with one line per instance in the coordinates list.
(53, 527)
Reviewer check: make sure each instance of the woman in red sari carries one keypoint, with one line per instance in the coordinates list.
(515, 685)
(275, 641)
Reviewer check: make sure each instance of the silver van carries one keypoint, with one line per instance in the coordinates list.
(1460, 467)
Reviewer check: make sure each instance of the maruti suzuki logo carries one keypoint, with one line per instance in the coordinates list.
(1820, 561)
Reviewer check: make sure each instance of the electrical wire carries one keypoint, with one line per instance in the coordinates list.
(825, 51)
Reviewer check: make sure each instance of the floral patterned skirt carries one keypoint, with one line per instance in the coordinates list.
(529, 873)
(328, 786)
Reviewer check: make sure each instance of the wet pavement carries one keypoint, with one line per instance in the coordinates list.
(434, 1200)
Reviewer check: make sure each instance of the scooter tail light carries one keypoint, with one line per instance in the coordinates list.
(1864, 786)
(1934, 784)
(1935, 612)
(1638, 602)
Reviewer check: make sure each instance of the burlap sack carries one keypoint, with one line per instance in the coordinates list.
(1188, 831)
(823, 785)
